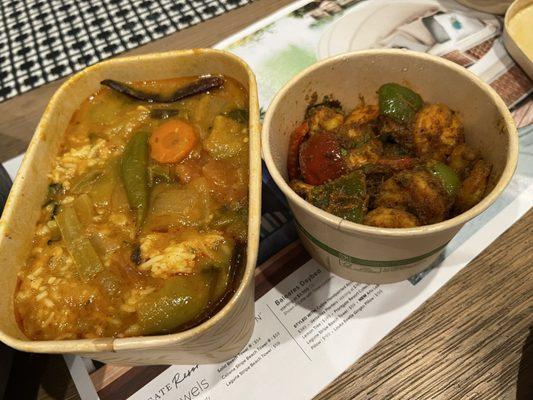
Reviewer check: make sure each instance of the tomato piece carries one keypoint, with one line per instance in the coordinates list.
(297, 138)
(321, 159)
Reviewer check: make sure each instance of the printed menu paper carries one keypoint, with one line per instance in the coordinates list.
(313, 325)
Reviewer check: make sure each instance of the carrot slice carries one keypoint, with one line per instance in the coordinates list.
(296, 140)
(172, 141)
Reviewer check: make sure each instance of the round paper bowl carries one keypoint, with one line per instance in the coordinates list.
(381, 255)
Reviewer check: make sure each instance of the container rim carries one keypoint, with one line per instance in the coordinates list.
(513, 8)
(513, 47)
(352, 227)
(111, 344)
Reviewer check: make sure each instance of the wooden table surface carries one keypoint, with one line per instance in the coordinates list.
(471, 340)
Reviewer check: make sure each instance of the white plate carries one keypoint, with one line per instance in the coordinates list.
(368, 22)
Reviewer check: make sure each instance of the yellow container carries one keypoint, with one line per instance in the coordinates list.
(219, 338)
(515, 45)
(379, 255)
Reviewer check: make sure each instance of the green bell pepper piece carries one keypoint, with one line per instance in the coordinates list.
(398, 102)
(344, 197)
(135, 174)
(447, 176)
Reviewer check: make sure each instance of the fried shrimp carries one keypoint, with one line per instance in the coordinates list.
(474, 186)
(362, 145)
(462, 158)
(368, 153)
(362, 114)
(391, 218)
(418, 192)
(324, 117)
(437, 130)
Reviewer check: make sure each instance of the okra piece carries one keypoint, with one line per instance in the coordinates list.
(178, 302)
(78, 244)
(134, 168)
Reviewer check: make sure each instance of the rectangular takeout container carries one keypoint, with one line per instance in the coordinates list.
(219, 338)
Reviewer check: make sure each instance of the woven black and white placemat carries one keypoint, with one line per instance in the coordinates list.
(43, 40)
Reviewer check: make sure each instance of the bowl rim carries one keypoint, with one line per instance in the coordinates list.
(355, 228)
(118, 344)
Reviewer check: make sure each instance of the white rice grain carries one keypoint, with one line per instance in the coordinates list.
(41, 295)
(48, 303)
